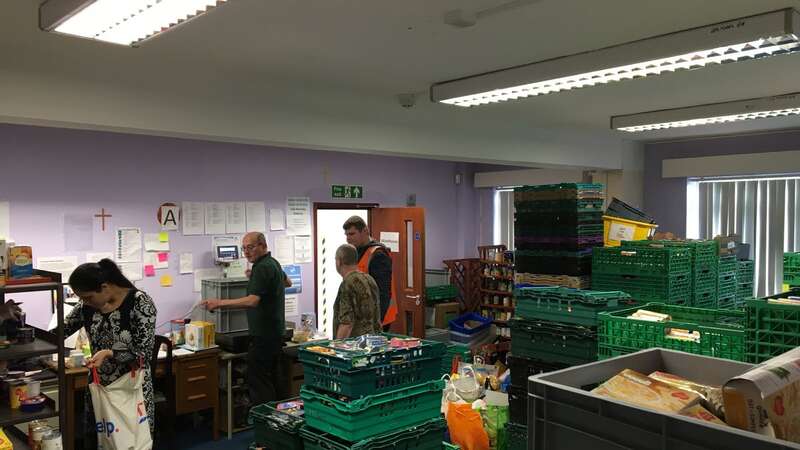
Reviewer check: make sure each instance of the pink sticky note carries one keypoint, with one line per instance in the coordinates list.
(149, 271)
(162, 257)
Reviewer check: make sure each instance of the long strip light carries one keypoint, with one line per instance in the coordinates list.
(752, 37)
(759, 108)
(124, 22)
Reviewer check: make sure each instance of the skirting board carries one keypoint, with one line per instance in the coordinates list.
(732, 165)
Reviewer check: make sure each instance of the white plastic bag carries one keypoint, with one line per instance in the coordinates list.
(120, 413)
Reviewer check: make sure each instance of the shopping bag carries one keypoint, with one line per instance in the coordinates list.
(466, 427)
(120, 413)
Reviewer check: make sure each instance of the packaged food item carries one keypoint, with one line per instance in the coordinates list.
(5, 442)
(634, 387)
(710, 396)
(200, 335)
(700, 413)
(766, 400)
(20, 261)
(650, 316)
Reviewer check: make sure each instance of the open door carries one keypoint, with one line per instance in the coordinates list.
(403, 231)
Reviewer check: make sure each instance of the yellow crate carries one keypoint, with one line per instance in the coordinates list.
(616, 230)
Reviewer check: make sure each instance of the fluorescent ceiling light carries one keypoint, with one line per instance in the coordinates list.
(737, 40)
(759, 108)
(125, 22)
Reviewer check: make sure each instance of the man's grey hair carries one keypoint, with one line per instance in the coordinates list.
(261, 239)
(347, 254)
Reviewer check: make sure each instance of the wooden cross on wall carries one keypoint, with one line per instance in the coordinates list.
(102, 217)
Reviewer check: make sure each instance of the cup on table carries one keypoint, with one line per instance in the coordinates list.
(77, 358)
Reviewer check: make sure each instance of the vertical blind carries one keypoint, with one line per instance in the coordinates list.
(764, 213)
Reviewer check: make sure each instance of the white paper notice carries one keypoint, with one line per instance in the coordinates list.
(128, 246)
(153, 244)
(237, 268)
(169, 218)
(235, 218)
(276, 220)
(391, 239)
(302, 249)
(187, 263)
(194, 217)
(291, 308)
(151, 259)
(5, 221)
(95, 257)
(216, 216)
(60, 264)
(256, 216)
(131, 270)
(298, 216)
(284, 249)
(205, 274)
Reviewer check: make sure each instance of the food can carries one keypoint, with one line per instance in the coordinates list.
(17, 391)
(51, 441)
(38, 435)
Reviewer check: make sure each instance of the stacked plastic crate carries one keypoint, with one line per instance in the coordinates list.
(726, 287)
(555, 228)
(372, 397)
(791, 269)
(773, 325)
(648, 274)
(704, 255)
(745, 272)
(553, 328)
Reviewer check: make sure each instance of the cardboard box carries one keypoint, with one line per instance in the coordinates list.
(200, 335)
(766, 399)
(727, 244)
(20, 262)
(437, 316)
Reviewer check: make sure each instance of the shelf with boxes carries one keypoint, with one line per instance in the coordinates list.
(497, 286)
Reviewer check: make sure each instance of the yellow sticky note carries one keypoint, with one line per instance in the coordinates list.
(166, 280)
(163, 237)
(785, 288)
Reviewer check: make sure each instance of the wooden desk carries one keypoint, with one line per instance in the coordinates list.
(196, 388)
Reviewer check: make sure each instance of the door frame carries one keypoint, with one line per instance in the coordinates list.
(330, 205)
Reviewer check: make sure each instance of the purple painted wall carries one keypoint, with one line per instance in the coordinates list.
(665, 198)
(50, 172)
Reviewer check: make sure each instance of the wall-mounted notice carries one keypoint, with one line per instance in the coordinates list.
(235, 221)
(128, 245)
(276, 220)
(295, 275)
(284, 249)
(77, 232)
(298, 216)
(291, 306)
(302, 249)
(256, 216)
(187, 263)
(153, 243)
(194, 217)
(391, 239)
(61, 264)
(216, 216)
(131, 270)
(97, 256)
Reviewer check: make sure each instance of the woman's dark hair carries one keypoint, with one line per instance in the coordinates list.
(91, 276)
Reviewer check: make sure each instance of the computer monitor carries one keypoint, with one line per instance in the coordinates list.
(227, 252)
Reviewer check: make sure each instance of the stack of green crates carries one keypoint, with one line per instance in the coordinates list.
(372, 400)
(745, 271)
(791, 269)
(727, 285)
(710, 332)
(463, 352)
(704, 256)
(648, 274)
(772, 328)
(278, 427)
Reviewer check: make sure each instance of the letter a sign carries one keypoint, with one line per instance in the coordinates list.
(169, 217)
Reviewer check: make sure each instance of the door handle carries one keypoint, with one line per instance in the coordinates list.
(416, 299)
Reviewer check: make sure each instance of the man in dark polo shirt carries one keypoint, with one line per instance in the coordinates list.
(265, 318)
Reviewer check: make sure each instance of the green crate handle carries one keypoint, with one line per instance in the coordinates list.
(627, 253)
(378, 399)
(674, 324)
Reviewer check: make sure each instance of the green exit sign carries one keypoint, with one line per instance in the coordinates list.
(347, 191)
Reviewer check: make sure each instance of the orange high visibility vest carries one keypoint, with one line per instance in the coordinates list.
(363, 267)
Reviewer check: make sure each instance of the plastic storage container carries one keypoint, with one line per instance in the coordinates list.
(458, 325)
(553, 342)
(348, 360)
(564, 416)
(371, 380)
(275, 428)
(375, 414)
(772, 329)
(226, 320)
(616, 230)
(516, 436)
(426, 436)
(642, 260)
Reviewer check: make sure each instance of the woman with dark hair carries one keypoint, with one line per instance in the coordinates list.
(120, 321)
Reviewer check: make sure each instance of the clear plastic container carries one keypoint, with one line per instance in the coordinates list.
(177, 332)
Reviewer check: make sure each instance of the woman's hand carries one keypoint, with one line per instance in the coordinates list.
(98, 358)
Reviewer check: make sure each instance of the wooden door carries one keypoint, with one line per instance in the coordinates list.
(403, 231)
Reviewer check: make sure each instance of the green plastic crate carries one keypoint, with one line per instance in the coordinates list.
(674, 289)
(441, 293)
(576, 205)
(705, 299)
(641, 260)
(772, 329)
(705, 250)
(276, 429)
(426, 436)
(791, 260)
(348, 360)
(516, 436)
(730, 302)
(721, 333)
(374, 414)
(727, 264)
(371, 380)
(745, 270)
(567, 305)
(553, 343)
(453, 350)
(791, 276)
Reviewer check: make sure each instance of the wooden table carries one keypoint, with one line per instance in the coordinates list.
(196, 388)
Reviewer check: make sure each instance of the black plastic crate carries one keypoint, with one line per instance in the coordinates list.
(521, 368)
(518, 404)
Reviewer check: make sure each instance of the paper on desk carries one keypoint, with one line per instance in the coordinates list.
(153, 243)
(187, 263)
(175, 352)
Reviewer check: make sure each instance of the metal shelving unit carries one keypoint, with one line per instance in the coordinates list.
(44, 344)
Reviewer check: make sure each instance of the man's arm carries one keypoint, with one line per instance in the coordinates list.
(344, 330)
(251, 301)
(380, 269)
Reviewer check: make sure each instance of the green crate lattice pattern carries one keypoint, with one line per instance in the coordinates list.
(674, 289)
(772, 329)
(641, 260)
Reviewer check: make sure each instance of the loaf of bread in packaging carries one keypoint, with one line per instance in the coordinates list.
(710, 396)
(700, 413)
(634, 387)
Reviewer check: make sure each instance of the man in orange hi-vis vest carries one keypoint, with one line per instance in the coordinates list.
(374, 258)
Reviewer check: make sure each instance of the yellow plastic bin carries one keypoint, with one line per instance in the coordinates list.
(616, 230)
